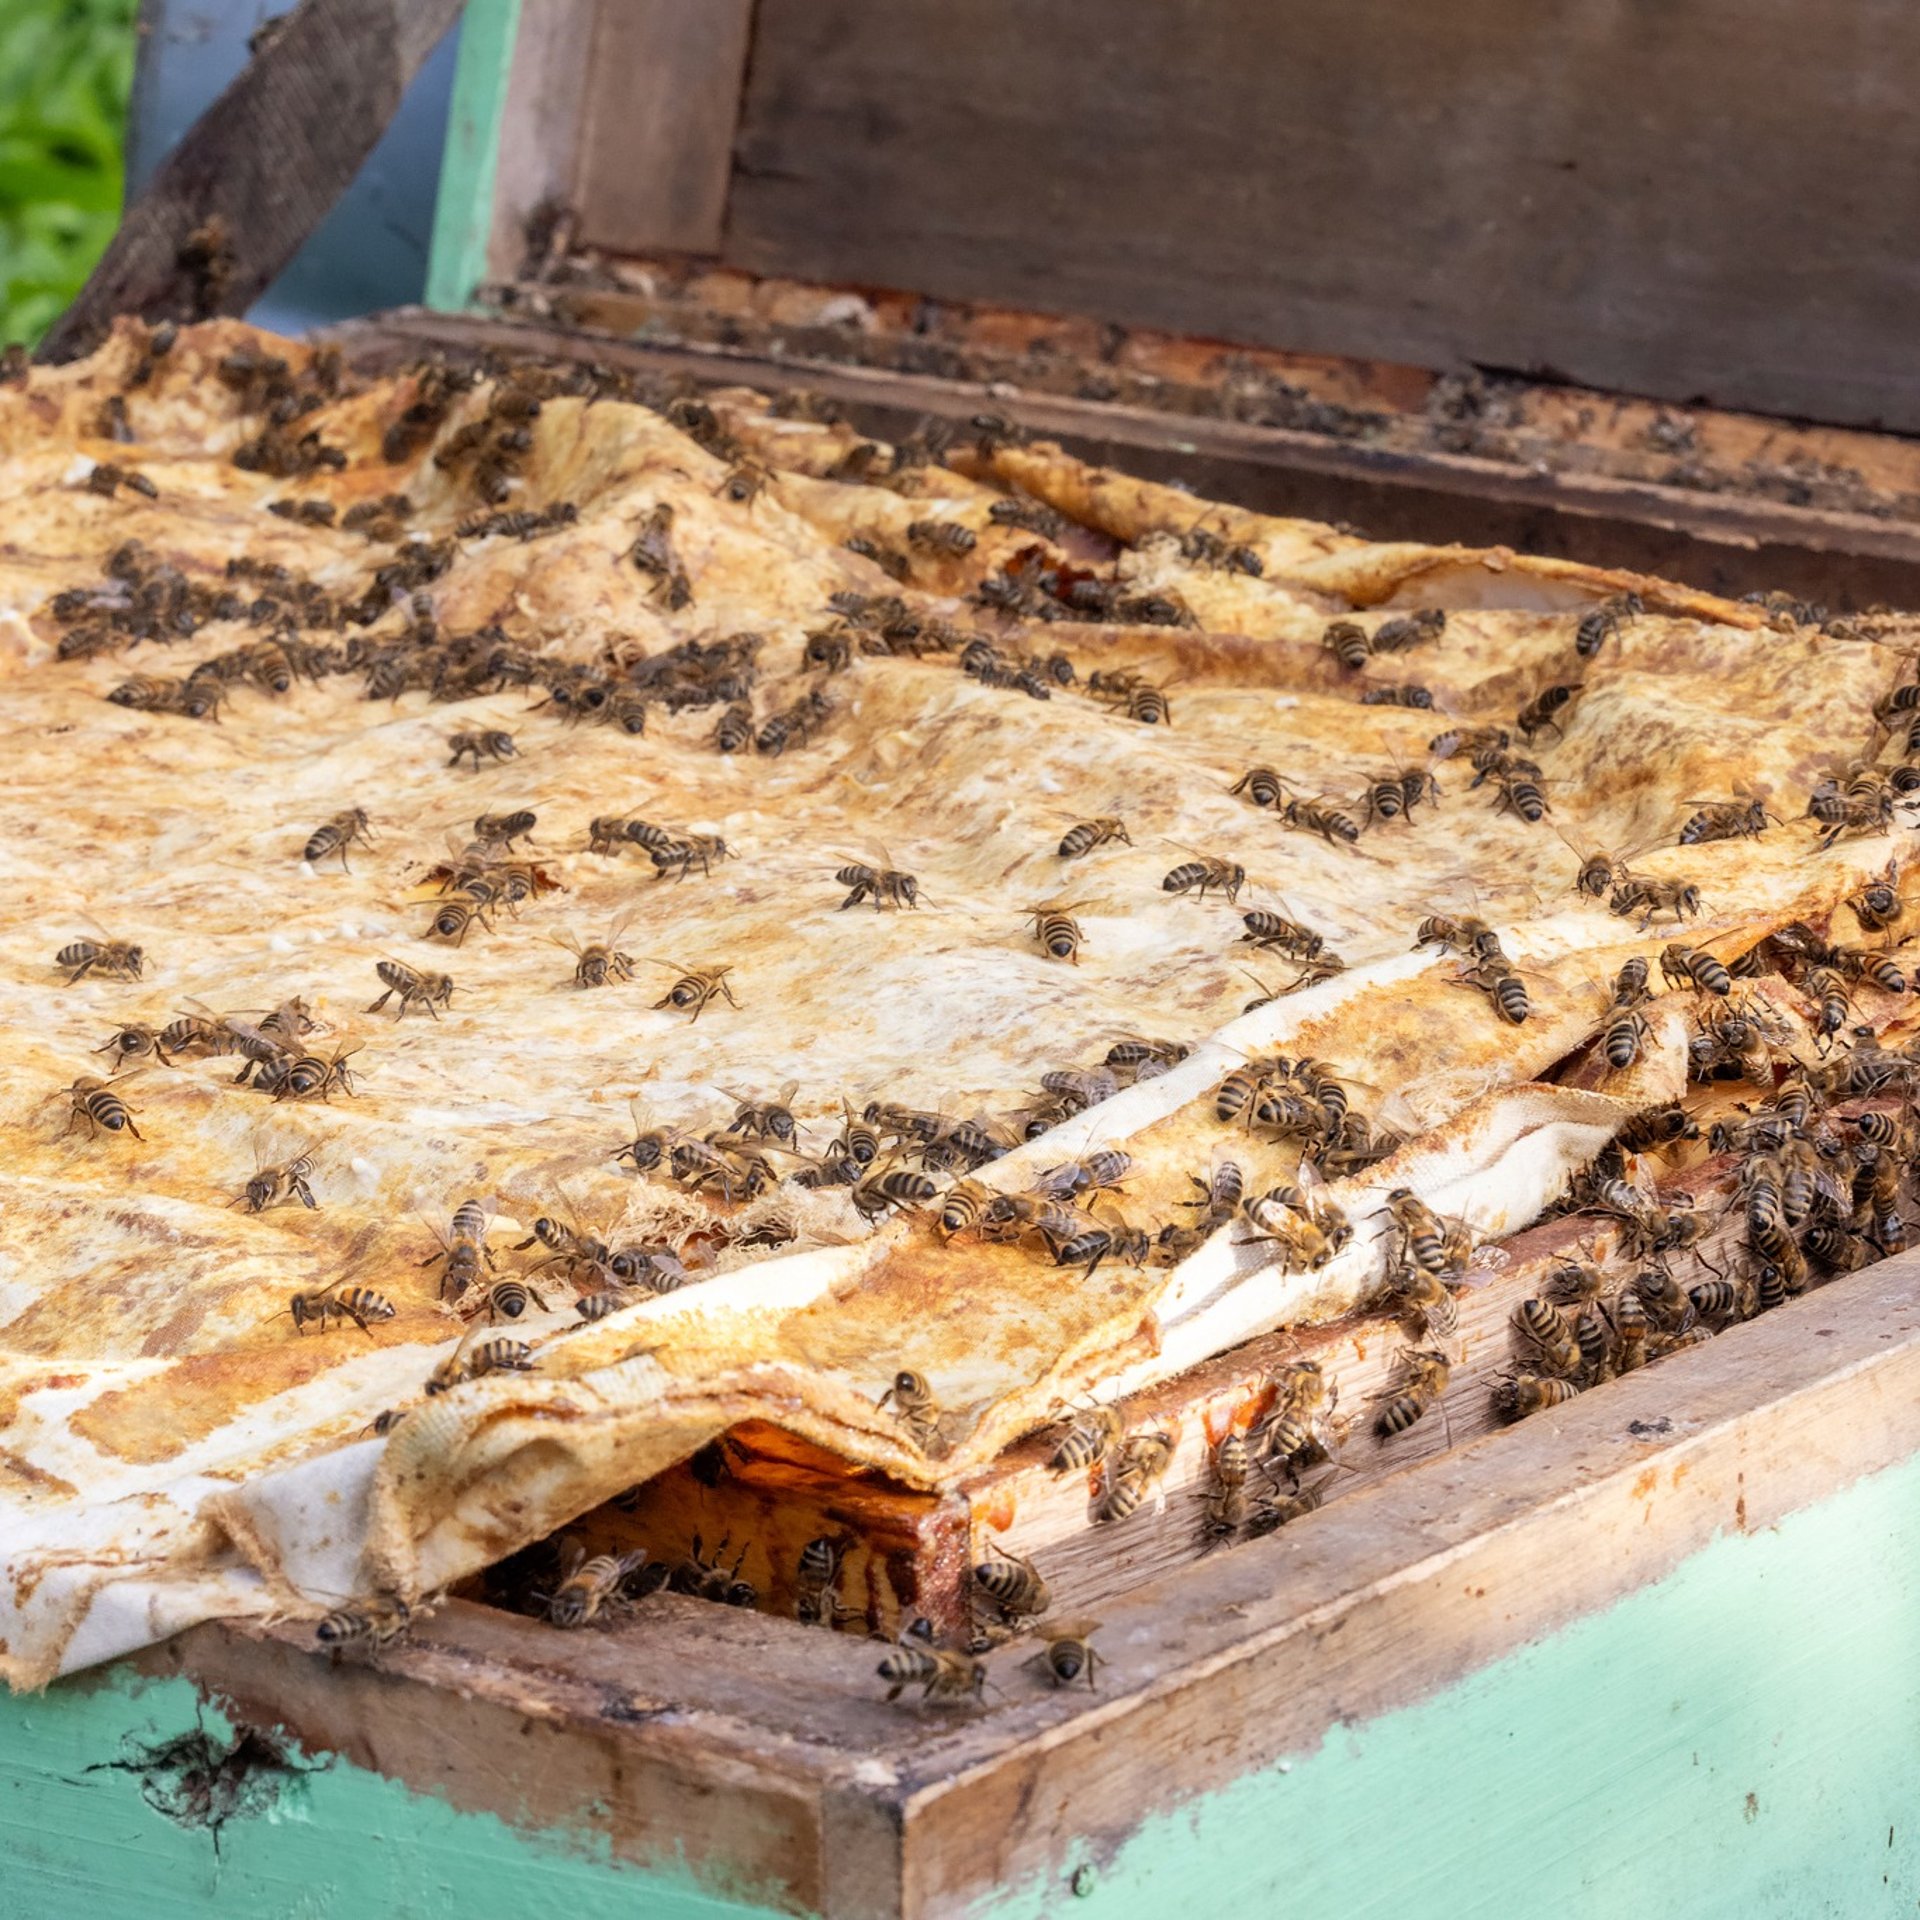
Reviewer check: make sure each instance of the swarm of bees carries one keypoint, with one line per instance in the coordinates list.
(1815, 1116)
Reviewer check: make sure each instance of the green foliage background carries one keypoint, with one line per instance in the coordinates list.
(66, 67)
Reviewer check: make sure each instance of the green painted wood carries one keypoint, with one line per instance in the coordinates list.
(1739, 1742)
(79, 1835)
(463, 209)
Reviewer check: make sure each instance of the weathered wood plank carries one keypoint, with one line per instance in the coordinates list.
(258, 171)
(1703, 199)
(1212, 1671)
(1721, 543)
(661, 102)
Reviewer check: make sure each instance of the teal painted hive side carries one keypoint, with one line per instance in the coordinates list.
(1741, 1739)
(463, 208)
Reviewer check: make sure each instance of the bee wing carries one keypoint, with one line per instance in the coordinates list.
(618, 925)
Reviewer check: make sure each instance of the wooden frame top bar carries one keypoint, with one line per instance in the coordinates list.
(761, 1755)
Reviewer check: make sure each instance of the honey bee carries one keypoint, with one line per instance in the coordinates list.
(745, 482)
(1306, 1229)
(1599, 624)
(1517, 790)
(1630, 984)
(652, 549)
(1031, 516)
(1420, 1384)
(881, 1193)
(1197, 875)
(1418, 698)
(1226, 1505)
(1690, 966)
(1426, 1240)
(336, 836)
(816, 1583)
(679, 856)
(503, 829)
(944, 539)
(464, 1249)
(137, 1041)
(694, 988)
(1058, 932)
(1074, 1242)
(1521, 1394)
(1220, 1193)
(1304, 1399)
(1146, 1059)
(369, 1624)
(111, 959)
(1715, 1300)
(309, 1076)
(1348, 642)
(735, 731)
(492, 743)
(1726, 820)
(589, 1586)
(1600, 870)
(1504, 987)
(914, 1406)
(1274, 1511)
(107, 478)
(1658, 1128)
(94, 1100)
(766, 1119)
(1458, 934)
(1067, 1654)
(963, 1208)
(358, 1304)
(1263, 787)
(1088, 834)
(1879, 904)
(1857, 964)
(1472, 741)
(452, 919)
(600, 961)
(1549, 1334)
(583, 1258)
(1650, 898)
(1013, 1584)
(1313, 816)
(1131, 1473)
(885, 885)
(429, 990)
(1543, 711)
(506, 1300)
(890, 560)
(468, 1361)
(278, 1186)
(1426, 1295)
(941, 1673)
(1268, 929)
(1092, 1433)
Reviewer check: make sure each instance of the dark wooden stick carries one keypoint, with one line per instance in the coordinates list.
(259, 170)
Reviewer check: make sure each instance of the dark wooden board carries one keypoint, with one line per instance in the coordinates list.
(662, 94)
(1698, 198)
(1721, 543)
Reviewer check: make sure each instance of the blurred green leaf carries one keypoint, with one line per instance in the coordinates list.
(66, 69)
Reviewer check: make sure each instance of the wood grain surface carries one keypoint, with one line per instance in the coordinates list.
(760, 1751)
(1712, 198)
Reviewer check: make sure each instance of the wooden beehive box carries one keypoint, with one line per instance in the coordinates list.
(1212, 244)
